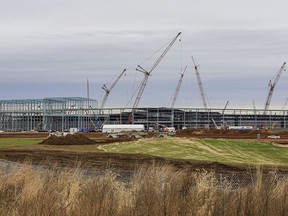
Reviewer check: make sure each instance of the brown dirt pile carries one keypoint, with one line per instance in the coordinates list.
(69, 139)
(282, 142)
(230, 134)
(79, 139)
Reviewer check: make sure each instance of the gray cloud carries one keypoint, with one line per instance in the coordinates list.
(54, 46)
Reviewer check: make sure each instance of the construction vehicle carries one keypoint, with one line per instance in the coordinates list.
(254, 108)
(108, 90)
(224, 124)
(285, 104)
(178, 88)
(216, 126)
(200, 84)
(165, 131)
(273, 137)
(167, 134)
(137, 135)
(271, 85)
(115, 135)
(147, 74)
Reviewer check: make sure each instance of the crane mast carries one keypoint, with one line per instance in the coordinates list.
(178, 88)
(141, 89)
(108, 90)
(200, 84)
(254, 107)
(271, 85)
(146, 76)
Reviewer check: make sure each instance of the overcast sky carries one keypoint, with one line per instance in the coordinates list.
(50, 48)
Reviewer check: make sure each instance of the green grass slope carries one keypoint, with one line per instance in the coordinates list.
(233, 152)
(18, 142)
(230, 152)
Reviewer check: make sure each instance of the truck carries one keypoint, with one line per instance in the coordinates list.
(169, 129)
(167, 132)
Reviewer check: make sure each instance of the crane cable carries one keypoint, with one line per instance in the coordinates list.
(181, 71)
(133, 93)
(155, 53)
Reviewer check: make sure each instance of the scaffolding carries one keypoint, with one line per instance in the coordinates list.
(48, 114)
(199, 118)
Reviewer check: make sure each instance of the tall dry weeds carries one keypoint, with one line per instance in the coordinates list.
(153, 190)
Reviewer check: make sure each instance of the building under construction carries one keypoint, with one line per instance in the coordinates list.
(48, 114)
(63, 113)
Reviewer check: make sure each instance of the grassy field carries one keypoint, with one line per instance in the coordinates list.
(18, 142)
(231, 152)
(152, 190)
(33, 143)
(234, 152)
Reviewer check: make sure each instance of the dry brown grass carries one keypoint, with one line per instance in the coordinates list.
(161, 190)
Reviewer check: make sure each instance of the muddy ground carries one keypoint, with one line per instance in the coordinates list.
(102, 161)
(125, 163)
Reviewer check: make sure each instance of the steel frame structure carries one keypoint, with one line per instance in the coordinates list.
(62, 113)
(197, 118)
(48, 114)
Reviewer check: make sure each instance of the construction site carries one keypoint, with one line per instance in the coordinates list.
(85, 114)
(61, 114)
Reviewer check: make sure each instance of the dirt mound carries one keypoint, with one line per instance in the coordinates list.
(69, 139)
(229, 134)
(113, 140)
(282, 142)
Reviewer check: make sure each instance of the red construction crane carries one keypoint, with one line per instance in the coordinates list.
(146, 76)
(108, 90)
(271, 85)
(200, 84)
(178, 88)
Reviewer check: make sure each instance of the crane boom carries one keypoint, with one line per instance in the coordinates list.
(146, 76)
(141, 90)
(200, 84)
(285, 104)
(272, 85)
(178, 88)
(254, 107)
(164, 53)
(108, 90)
